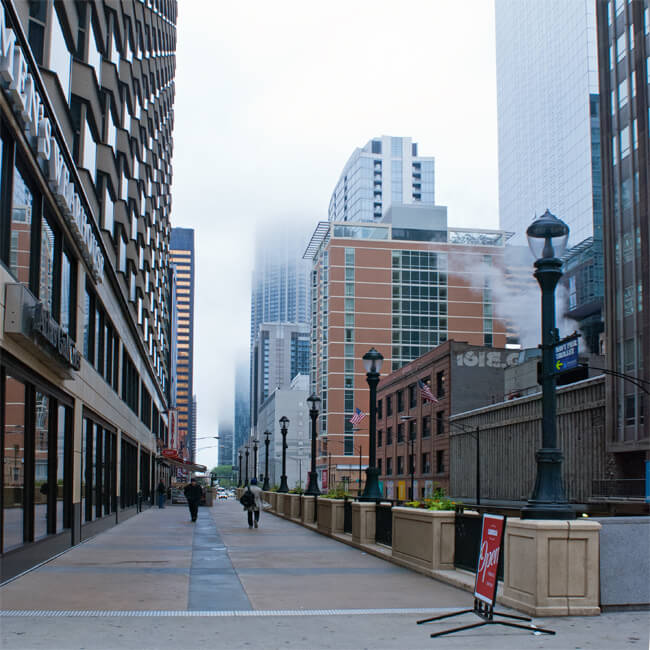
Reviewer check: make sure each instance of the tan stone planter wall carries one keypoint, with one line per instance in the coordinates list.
(552, 567)
(330, 516)
(423, 539)
(292, 506)
(363, 523)
(307, 516)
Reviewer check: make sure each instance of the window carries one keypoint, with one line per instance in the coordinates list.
(389, 435)
(389, 406)
(440, 384)
(426, 426)
(400, 432)
(36, 29)
(389, 467)
(379, 437)
(440, 461)
(426, 463)
(413, 396)
(412, 430)
(379, 409)
(21, 229)
(379, 465)
(400, 465)
(400, 401)
(440, 423)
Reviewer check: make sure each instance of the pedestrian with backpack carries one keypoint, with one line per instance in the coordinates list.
(252, 502)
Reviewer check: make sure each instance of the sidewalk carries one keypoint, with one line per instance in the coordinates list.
(159, 581)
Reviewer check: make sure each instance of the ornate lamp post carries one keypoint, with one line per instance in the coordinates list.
(284, 420)
(239, 475)
(267, 442)
(312, 486)
(255, 458)
(246, 480)
(372, 361)
(547, 238)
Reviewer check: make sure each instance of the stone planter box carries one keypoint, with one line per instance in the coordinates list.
(363, 522)
(552, 567)
(330, 516)
(307, 513)
(279, 503)
(423, 539)
(268, 497)
(292, 506)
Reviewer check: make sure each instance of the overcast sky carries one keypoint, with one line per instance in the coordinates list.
(271, 100)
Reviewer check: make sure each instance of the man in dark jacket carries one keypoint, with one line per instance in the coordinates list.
(193, 494)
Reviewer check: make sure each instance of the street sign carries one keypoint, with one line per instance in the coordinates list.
(566, 355)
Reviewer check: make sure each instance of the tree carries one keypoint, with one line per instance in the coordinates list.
(223, 475)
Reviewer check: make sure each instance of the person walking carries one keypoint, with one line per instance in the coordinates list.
(162, 491)
(253, 511)
(193, 494)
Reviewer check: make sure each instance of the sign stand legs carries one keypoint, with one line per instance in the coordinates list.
(486, 612)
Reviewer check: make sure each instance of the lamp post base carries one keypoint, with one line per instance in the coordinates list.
(312, 486)
(548, 500)
(372, 491)
(265, 485)
(283, 484)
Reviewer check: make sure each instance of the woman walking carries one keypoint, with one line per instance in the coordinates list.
(253, 510)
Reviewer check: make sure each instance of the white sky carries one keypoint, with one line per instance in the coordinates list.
(271, 100)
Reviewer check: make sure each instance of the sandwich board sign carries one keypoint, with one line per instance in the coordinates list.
(485, 587)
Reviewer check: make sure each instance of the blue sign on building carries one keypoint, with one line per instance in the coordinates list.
(566, 356)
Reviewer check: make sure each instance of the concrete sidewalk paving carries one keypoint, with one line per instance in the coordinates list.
(159, 581)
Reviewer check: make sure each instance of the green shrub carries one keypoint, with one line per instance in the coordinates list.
(336, 493)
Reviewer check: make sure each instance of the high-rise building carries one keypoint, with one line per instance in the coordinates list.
(181, 256)
(242, 406)
(387, 171)
(86, 116)
(624, 51)
(549, 138)
(280, 352)
(280, 281)
(226, 435)
(402, 287)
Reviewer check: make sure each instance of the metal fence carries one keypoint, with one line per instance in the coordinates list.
(384, 524)
(347, 515)
(619, 488)
(467, 533)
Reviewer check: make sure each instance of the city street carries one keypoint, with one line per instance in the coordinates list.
(159, 581)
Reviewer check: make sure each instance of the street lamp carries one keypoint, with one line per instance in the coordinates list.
(247, 454)
(547, 238)
(372, 361)
(284, 420)
(255, 458)
(267, 442)
(312, 486)
(239, 475)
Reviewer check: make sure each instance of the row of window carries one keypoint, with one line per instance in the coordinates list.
(425, 429)
(425, 464)
(411, 393)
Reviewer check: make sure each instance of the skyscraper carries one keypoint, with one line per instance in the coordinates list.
(386, 171)
(549, 138)
(624, 51)
(242, 406)
(181, 256)
(86, 118)
(547, 91)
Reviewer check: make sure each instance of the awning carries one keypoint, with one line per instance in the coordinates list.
(184, 464)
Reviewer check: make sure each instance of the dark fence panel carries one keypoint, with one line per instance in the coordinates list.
(347, 516)
(384, 524)
(621, 488)
(467, 542)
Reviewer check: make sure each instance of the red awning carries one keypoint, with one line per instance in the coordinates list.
(184, 464)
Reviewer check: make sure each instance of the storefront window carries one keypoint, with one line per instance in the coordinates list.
(66, 319)
(21, 229)
(62, 426)
(14, 464)
(41, 478)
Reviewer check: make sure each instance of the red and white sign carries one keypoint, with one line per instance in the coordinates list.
(170, 453)
(488, 559)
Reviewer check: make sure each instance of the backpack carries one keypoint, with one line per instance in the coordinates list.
(247, 499)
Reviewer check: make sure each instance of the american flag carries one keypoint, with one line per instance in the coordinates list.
(357, 417)
(425, 392)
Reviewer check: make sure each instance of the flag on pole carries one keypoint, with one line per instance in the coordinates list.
(425, 392)
(357, 417)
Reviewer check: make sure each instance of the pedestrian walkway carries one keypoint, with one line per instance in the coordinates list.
(160, 581)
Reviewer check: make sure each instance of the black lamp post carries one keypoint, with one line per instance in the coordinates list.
(312, 486)
(239, 475)
(247, 454)
(255, 459)
(372, 361)
(267, 442)
(547, 238)
(284, 420)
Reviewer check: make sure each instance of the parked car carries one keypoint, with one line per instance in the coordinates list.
(222, 494)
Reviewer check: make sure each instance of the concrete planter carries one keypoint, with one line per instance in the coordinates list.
(363, 522)
(552, 567)
(330, 515)
(292, 506)
(268, 497)
(279, 503)
(307, 513)
(423, 539)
